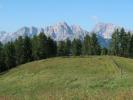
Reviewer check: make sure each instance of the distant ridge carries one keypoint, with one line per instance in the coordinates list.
(62, 31)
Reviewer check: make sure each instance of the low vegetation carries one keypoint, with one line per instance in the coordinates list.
(74, 78)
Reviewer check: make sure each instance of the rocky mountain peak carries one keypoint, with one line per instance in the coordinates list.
(105, 29)
(62, 31)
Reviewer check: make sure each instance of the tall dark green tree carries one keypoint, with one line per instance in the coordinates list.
(131, 47)
(10, 55)
(2, 59)
(27, 49)
(68, 45)
(127, 44)
(19, 48)
(123, 42)
(76, 47)
(42, 46)
(104, 51)
(115, 44)
(35, 47)
(51, 47)
(96, 50)
(87, 46)
(61, 48)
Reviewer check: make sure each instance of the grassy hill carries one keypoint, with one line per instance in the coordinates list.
(74, 78)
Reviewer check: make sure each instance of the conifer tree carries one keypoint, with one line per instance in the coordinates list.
(19, 48)
(104, 51)
(87, 46)
(35, 47)
(122, 42)
(96, 50)
(42, 46)
(61, 48)
(131, 47)
(2, 59)
(76, 47)
(51, 47)
(68, 47)
(115, 44)
(27, 49)
(10, 55)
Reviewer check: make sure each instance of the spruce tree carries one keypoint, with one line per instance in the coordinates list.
(104, 51)
(76, 47)
(35, 47)
(51, 47)
(61, 48)
(27, 49)
(87, 46)
(19, 48)
(131, 47)
(127, 44)
(96, 50)
(123, 42)
(42, 46)
(68, 47)
(10, 55)
(115, 44)
(2, 59)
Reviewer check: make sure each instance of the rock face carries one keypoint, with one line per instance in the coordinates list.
(59, 31)
(24, 31)
(62, 31)
(105, 30)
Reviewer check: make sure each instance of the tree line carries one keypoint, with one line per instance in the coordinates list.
(122, 43)
(26, 49)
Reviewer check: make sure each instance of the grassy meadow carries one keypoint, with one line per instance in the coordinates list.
(74, 78)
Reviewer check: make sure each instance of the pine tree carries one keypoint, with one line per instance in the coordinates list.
(42, 46)
(76, 47)
(127, 42)
(2, 60)
(35, 47)
(68, 47)
(104, 51)
(19, 48)
(115, 44)
(51, 47)
(87, 46)
(96, 50)
(131, 47)
(54, 50)
(123, 42)
(10, 55)
(61, 48)
(27, 49)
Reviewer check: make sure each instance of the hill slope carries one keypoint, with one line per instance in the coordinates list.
(80, 78)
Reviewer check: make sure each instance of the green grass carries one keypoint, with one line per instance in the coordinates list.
(74, 78)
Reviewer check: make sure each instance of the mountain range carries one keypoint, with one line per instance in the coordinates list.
(62, 31)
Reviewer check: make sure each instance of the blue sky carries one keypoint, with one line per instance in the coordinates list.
(15, 14)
